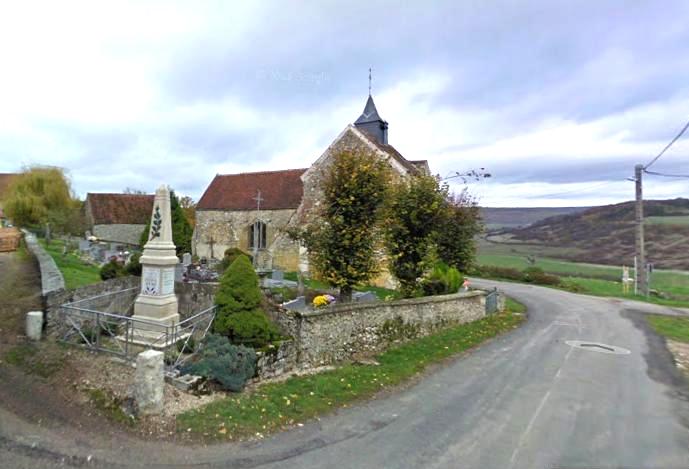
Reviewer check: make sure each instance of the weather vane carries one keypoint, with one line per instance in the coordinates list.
(369, 81)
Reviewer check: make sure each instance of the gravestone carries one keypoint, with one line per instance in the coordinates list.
(278, 275)
(363, 297)
(179, 271)
(84, 245)
(186, 259)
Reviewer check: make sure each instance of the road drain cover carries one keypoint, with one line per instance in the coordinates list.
(597, 347)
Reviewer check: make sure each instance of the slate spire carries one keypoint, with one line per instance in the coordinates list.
(371, 122)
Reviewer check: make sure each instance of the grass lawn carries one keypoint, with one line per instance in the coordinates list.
(277, 405)
(674, 328)
(76, 272)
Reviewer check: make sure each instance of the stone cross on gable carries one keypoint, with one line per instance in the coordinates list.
(258, 200)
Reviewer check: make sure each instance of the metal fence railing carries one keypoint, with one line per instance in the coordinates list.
(104, 323)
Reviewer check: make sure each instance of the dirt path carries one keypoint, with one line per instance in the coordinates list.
(36, 381)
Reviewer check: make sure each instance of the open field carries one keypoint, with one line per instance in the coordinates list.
(76, 272)
(602, 280)
(675, 220)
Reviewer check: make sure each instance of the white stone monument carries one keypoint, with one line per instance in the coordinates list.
(157, 303)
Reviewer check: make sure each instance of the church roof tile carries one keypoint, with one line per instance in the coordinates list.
(279, 190)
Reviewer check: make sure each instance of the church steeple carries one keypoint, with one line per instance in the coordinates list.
(372, 123)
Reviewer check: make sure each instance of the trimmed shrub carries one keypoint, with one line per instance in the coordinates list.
(112, 269)
(238, 291)
(231, 254)
(250, 328)
(219, 360)
(240, 316)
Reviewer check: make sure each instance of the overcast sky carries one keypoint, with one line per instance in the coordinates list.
(557, 99)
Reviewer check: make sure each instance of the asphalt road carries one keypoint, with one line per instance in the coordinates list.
(524, 400)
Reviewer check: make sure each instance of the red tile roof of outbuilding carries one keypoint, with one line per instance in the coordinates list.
(279, 190)
(119, 209)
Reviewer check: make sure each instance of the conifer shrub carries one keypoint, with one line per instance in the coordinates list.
(238, 291)
(240, 316)
(231, 254)
(133, 267)
(228, 364)
(112, 269)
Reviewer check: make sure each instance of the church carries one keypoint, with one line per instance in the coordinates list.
(252, 211)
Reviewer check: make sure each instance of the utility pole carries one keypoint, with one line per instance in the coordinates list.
(641, 272)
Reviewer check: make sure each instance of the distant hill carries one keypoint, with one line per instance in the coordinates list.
(497, 218)
(606, 234)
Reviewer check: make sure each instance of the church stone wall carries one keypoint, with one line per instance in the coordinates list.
(312, 179)
(218, 230)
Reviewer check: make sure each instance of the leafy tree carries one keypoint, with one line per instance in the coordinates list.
(189, 207)
(42, 195)
(239, 306)
(132, 190)
(340, 236)
(412, 216)
(456, 236)
(181, 229)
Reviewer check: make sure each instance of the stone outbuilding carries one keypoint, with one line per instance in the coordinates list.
(118, 218)
(253, 211)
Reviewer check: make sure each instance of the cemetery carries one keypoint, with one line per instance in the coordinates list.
(167, 321)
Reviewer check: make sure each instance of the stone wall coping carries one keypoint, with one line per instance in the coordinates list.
(51, 277)
(349, 307)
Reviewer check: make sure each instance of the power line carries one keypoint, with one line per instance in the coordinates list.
(684, 129)
(667, 175)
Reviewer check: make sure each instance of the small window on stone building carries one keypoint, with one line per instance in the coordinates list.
(257, 235)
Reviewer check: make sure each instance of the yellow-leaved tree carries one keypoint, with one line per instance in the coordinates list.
(42, 195)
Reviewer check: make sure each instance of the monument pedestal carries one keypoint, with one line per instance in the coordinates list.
(156, 309)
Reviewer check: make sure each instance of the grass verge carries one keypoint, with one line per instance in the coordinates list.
(109, 405)
(675, 328)
(76, 272)
(28, 358)
(277, 405)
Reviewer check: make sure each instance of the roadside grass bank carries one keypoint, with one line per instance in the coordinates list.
(674, 328)
(75, 271)
(274, 406)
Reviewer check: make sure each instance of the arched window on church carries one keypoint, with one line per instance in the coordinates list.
(257, 235)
